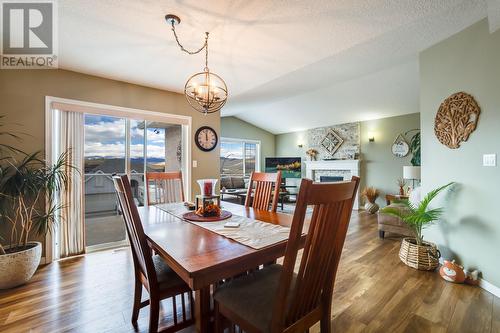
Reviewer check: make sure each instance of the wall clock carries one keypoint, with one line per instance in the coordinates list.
(206, 138)
(400, 147)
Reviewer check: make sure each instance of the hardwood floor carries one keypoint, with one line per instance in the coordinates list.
(374, 292)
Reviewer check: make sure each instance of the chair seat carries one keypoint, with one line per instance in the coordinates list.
(166, 277)
(252, 296)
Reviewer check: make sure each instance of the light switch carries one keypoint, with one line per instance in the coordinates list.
(195, 163)
(490, 160)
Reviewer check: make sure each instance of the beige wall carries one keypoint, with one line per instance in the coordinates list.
(232, 127)
(470, 229)
(22, 100)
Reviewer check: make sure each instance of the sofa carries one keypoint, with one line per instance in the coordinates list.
(393, 224)
(232, 183)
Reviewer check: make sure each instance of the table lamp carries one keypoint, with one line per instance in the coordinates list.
(411, 172)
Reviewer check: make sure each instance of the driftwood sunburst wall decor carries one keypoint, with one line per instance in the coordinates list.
(456, 119)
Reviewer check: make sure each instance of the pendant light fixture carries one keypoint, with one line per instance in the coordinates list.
(206, 91)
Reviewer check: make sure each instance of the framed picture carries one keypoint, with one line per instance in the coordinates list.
(400, 147)
(331, 142)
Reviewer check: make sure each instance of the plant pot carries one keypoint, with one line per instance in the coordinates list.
(371, 207)
(423, 257)
(17, 268)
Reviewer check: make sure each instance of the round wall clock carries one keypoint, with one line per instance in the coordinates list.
(400, 147)
(206, 138)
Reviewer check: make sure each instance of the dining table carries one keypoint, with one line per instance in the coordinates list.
(202, 257)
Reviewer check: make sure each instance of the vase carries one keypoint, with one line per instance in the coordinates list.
(207, 186)
(371, 207)
(401, 190)
(17, 268)
(423, 257)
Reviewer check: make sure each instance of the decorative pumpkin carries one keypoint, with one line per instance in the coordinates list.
(452, 272)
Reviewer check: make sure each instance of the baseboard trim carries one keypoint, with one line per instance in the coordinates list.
(489, 287)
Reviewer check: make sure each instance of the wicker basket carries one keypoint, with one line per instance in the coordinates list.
(423, 257)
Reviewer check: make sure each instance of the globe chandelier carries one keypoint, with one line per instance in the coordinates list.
(205, 91)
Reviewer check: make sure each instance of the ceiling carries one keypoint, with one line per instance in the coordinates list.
(288, 64)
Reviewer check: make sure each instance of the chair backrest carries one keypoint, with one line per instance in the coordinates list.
(164, 187)
(141, 251)
(327, 231)
(267, 185)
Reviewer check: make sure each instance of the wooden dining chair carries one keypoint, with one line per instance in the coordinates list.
(275, 299)
(151, 271)
(164, 187)
(267, 189)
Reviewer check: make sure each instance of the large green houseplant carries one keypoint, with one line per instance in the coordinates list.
(27, 207)
(415, 252)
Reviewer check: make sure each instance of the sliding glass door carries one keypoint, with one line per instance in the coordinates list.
(115, 145)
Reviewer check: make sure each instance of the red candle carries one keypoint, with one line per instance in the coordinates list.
(207, 189)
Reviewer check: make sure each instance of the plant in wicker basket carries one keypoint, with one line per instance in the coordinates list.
(415, 252)
(370, 194)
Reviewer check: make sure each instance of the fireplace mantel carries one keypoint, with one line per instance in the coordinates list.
(334, 165)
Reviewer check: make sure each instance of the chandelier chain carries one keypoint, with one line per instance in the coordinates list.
(204, 46)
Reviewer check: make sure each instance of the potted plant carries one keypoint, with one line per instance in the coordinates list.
(415, 252)
(401, 184)
(370, 194)
(312, 153)
(27, 204)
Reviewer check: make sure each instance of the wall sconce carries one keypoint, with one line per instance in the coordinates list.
(371, 137)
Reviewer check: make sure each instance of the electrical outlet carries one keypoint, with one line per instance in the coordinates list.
(490, 160)
(195, 163)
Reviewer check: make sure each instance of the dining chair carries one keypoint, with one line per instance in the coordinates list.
(150, 270)
(275, 299)
(164, 187)
(267, 188)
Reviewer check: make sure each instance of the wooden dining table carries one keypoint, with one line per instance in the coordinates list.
(201, 257)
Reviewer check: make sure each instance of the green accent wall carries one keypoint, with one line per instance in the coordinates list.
(234, 128)
(470, 230)
(379, 167)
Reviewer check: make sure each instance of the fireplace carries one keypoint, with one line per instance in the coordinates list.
(333, 170)
(330, 179)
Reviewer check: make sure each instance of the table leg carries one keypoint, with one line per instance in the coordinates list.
(202, 310)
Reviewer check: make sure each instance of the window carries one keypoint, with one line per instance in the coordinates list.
(239, 158)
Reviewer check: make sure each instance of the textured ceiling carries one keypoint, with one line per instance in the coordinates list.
(280, 59)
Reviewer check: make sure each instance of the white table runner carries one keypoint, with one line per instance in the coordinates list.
(252, 233)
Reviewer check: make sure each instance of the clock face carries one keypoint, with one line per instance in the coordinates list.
(206, 138)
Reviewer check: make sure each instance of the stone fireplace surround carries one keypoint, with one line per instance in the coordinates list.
(344, 168)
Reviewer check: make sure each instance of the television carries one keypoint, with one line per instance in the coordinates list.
(290, 167)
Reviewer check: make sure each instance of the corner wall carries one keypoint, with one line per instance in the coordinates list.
(234, 128)
(470, 230)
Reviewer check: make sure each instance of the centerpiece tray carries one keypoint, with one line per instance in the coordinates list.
(192, 216)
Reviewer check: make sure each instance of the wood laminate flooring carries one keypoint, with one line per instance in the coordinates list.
(374, 292)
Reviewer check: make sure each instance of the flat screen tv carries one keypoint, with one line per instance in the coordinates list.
(290, 167)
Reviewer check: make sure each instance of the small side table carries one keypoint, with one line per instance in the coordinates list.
(393, 197)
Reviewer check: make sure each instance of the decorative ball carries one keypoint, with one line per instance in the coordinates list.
(452, 272)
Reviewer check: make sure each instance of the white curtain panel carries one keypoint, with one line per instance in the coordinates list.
(72, 224)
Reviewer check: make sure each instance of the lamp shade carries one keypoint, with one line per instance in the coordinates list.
(411, 172)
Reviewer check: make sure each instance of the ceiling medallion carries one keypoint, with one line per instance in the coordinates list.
(205, 91)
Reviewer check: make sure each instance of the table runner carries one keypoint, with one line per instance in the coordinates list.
(252, 233)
